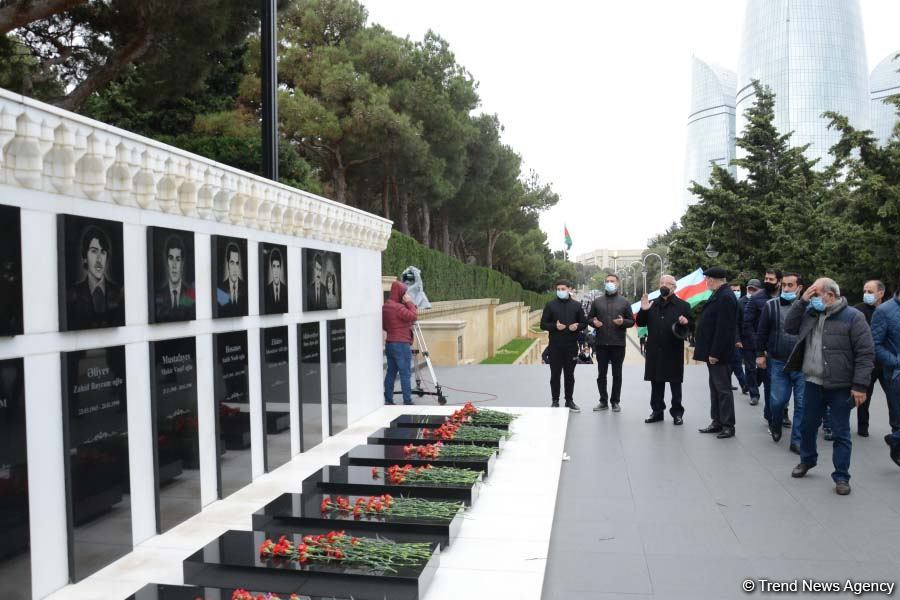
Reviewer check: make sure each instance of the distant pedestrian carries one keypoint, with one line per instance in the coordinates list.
(610, 316)
(668, 322)
(737, 360)
(873, 296)
(746, 345)
(836, 353)
(886, 333)
(716, 331)
(563, 318)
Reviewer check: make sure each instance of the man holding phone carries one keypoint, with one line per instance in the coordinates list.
(563, 318)
(836, 354)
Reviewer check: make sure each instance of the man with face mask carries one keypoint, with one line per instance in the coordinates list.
(668, 321)
(737, 359)
(563, 318)
(886, 333)
(773, 347)
(746, 346)
(611, 316)
(836, 354)
(873, 296)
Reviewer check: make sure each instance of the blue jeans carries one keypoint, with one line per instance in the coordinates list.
(783, 383)
(816, 399)
(399, 359)
(894, 402)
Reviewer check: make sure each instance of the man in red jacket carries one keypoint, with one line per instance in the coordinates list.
(397, 316)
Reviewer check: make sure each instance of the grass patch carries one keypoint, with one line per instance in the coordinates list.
(508, 354)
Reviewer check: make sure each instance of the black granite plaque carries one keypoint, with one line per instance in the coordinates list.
(229, 269)
(302, 513)
(231, 383)
(419, 421)
(321, 280)
(310, 369)
(363, 481)
(233, 560)
(173, 392)
(158, 591)
(273, 280)
(15, 558)
(95, 433)
(276, 395)
(408, 435)
(10, 271)
(170, 281)
(381, 455)
(337, 376)
(91, 273)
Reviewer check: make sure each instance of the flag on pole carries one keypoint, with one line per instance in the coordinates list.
(691, 288)
(567, 237)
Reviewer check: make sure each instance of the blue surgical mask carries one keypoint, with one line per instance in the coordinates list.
(562, 294)
(817, 303)
(611, 287)
(737, 294)
(789, 296)
(869, 299)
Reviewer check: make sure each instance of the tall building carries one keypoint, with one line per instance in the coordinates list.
(609, 258)
(812, 53)
(710, 133)
(884, 82)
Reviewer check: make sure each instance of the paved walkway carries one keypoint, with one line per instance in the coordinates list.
(657, 511)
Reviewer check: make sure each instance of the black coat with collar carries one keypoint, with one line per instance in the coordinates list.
(717, 327)
(664, 359)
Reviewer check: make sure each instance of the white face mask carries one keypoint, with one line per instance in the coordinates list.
(562, 294)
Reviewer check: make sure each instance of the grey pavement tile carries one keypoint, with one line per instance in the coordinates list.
(689, 576)
(597, 572)
(571, 538)
(712, 539)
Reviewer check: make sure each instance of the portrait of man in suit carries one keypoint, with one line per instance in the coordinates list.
(94, 299)
(231, 293)
(315, 285)
(275, 294)
(175, 297)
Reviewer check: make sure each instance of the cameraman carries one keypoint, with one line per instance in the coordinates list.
(398, 314)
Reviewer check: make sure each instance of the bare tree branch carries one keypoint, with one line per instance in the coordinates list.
(22, 12)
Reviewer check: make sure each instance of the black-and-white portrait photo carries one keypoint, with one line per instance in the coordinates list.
(322, 280)
(10, 271)
(91, 270)
(172, 294)
(273, 269)
(229, 268)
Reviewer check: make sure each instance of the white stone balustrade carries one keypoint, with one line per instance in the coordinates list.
(46, 148)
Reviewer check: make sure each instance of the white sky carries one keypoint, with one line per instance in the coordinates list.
(594, 95)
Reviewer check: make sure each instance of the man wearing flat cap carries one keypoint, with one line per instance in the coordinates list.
(715, 336)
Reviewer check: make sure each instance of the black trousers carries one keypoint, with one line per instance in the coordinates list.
(604, 356)
(862, 413)
(658, 394)
(562, 361)
(721, 398)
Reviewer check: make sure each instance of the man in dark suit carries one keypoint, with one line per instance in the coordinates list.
(175, 299)
(276, 290)
(715, 337)
(95, 301)
(231, 294)
(315, 291)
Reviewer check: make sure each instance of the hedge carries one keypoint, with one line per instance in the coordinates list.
(447, 278)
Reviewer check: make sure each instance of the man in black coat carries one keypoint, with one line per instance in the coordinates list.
(610, 315)
(749, 326)
(95, 301)
(231, 293)
(175, 298)
(563, 317)
(716, 331)
(276, 293)
(664, 349)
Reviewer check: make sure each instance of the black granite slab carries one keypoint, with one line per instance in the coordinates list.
(380, 455)
(158, 591)
(232, 560)
(401, 436)
(418, 421)
(359, 480)
(293, 513)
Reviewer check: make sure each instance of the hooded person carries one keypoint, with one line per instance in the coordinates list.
(398, 314)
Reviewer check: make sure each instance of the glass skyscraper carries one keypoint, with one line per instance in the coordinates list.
(884, 82)
(710, 133)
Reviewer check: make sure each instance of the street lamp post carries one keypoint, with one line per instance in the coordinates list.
(634, 273)
(644, 263)
(269, 83)
(710, 249)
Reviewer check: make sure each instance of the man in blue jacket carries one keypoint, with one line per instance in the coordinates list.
(886, 334)
(714, 346)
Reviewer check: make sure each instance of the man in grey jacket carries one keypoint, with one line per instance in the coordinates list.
(610, 315)
(836, 354)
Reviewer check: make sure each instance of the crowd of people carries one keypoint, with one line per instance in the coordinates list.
(784, 339)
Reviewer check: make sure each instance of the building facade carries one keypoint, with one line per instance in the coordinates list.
(711, 122)
(884, 82)
(812, 54)
(608, 258)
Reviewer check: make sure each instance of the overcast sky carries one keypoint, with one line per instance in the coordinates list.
(595, 95)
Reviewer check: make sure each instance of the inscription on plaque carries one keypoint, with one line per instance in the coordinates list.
(231, 387)
(15, 557)
(309, 365)
(337, 376)
(276, 395)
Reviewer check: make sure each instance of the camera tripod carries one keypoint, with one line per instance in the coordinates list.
(418, 355)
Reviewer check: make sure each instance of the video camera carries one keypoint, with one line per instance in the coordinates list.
(415, 287)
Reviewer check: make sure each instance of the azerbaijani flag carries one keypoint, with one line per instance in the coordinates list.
(690, 288)
(568, 237)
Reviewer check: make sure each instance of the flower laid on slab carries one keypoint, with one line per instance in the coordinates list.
(481, 416)
(337, 546)
(387, 505)
(467, 433)
(429, 474)
(439, 450)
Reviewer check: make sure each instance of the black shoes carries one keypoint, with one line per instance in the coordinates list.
(863, 432)
(733, 388)
(795, 448)
(654, 418)
(842, 488)
(786, 422)
(712, 428)
(554, 404)
(573, 407)
(617, 408)
(727, 432)
(829, 435)
(602, 405)
(745, 391)
(895, 449)
(801, 470)
(754, 400)
(776, 433)
(677, 421)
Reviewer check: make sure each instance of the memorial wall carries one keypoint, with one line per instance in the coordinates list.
(170, 329)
